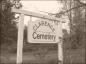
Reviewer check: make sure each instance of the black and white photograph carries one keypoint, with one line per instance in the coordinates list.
(42, 31)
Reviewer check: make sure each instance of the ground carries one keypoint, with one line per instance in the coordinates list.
(71, 57)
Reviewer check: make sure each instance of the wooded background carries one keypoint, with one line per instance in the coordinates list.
(74, 42)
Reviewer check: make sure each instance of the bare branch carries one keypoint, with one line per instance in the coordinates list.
(71, 9)
(81, 2)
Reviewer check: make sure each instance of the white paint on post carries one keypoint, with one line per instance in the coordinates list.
(60, 53)
(29, 28)
(20, 39)
(34, 14)
(60, 46)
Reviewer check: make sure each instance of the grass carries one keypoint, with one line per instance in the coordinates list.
(75, 56)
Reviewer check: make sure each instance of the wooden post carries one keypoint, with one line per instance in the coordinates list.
(60, 47)
(20, 33)
(20, 39)
(60, 52)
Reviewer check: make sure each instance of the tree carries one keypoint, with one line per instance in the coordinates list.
(74, 9)
(8, 34)
(78, 24)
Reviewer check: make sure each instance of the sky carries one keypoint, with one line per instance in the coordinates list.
(43, 7)
(47, 6)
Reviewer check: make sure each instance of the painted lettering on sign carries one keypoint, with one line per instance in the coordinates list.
(44, 36)
(43, 23)
(42, 31)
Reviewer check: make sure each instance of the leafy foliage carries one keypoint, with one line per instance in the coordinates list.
(77, 23)
(7, 23)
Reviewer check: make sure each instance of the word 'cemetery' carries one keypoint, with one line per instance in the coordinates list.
(44, 36)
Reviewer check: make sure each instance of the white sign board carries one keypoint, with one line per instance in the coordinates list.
(42, 31)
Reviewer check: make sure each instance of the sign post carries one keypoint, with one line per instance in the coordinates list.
(39, 35)
(20, 39)
(60, 46)
(60, 52)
